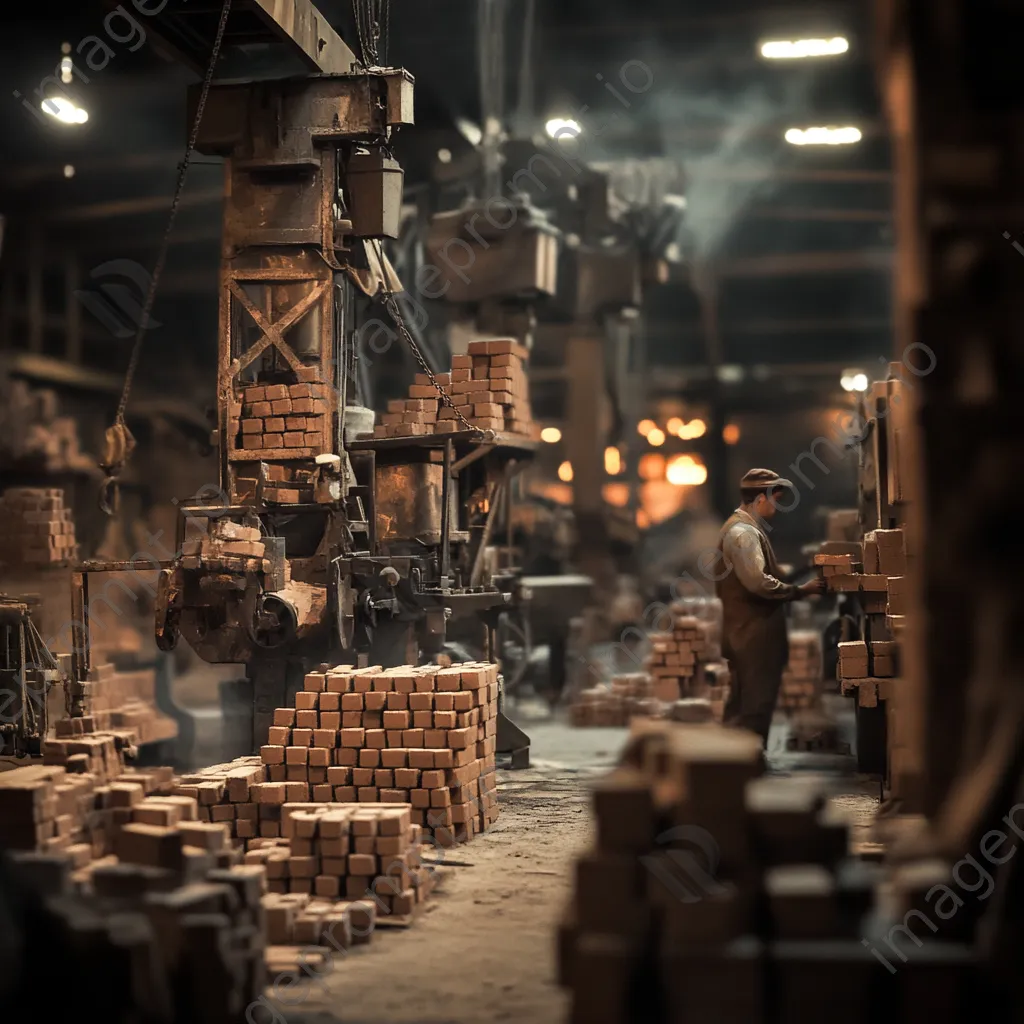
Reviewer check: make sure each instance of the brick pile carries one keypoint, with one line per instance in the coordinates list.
(423, 736)
(419, 735)
(284, 420)
(868, 669)
(171, 900)
(32, 431)
(119, 702)
(627, 697)
(802, 676)
(349, 852)
(488, 386)
(35, 527)
(227, 547)
(298, 919)
(678, 656)
(714, 895)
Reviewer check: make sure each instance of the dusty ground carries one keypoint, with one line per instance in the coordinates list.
(484, 949)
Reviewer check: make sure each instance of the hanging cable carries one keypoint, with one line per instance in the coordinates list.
(119, 442)
(395, 312)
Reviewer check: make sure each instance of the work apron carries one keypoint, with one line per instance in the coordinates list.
(754, 639)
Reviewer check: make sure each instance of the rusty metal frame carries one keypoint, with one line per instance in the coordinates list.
(233, 278)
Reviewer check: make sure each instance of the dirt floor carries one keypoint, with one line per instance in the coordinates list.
(484, 948)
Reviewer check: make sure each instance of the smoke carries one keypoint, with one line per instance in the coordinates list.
(744, 149)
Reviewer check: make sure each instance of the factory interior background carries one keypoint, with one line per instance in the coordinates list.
(377, 381)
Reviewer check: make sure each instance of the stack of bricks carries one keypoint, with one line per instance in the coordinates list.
(298, 919)
(713, 895)
(802, 676)
(348, 852)
(227, 547)
(487, 387)
(868, 670)
(122, 703)
(64, 809)
(35, 527)
(33, 433)
(678, 655)
(627, 697)
(172, 901)
(284, 421)
(419, 735)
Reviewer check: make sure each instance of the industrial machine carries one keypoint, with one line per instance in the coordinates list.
(321, 547)
(28, 674)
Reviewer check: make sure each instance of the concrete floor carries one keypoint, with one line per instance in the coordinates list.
(484, 948)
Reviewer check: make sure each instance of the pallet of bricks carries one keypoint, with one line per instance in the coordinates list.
(35, 527)
(714, 895)
(153, 909)
(802, 676)
(487, 387)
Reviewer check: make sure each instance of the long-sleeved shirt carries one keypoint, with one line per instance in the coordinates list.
(744, 555)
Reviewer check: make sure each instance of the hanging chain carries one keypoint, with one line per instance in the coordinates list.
(395, 312)
(372, 19)
(161, 260)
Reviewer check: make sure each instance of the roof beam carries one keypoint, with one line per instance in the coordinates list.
(808, 263)
(310, 34)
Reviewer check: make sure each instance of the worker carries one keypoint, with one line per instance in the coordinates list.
(753, 600)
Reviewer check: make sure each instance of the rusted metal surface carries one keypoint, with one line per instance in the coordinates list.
(310, 34)
(409, 502)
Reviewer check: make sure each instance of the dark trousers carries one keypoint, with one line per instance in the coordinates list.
(753, 693)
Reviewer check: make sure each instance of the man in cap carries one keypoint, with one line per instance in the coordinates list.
(753, 603)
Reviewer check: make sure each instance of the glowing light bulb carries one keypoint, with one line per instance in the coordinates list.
(612, 461)
(565, 472)
(644, 427)
(551, 435)
(656, 437)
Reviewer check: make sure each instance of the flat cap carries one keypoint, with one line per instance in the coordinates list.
(765, 479)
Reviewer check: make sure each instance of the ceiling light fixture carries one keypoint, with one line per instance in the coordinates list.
(823, 136)
(801, 49)
(63, 110)
(561, 127)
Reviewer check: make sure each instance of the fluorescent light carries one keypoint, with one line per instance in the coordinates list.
(551, 435)
(823, 136)
(64, 110)
(800, 49)
(560, 127)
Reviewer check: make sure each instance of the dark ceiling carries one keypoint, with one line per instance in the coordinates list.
(800, 236)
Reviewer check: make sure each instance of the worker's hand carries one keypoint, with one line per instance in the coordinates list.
(812, 587)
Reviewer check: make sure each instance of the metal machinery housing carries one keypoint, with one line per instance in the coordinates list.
(380, 542)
